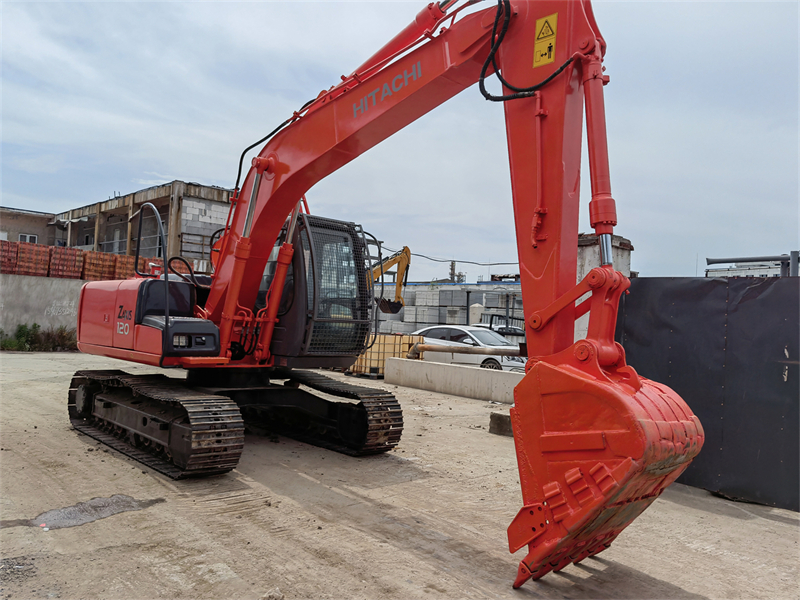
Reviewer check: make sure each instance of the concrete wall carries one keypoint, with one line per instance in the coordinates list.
(47, 301)
(468, 382)
(203, 217)
(200, 218)
(14, 222)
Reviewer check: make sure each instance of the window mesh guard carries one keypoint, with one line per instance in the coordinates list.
(339, 290)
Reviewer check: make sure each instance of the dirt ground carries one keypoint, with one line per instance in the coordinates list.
(425, 521)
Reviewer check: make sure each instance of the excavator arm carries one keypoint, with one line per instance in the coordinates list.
(402, 259)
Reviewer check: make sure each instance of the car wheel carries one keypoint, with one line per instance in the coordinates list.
(491, 363)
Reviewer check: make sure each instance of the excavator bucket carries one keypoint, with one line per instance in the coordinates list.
(389, 306)
(595, 449)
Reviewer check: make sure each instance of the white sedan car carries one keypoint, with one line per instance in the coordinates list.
(469, 336)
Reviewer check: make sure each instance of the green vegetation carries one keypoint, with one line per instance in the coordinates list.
(33, 339)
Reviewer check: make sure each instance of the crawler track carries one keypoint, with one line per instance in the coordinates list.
(185, 433)
(384, 415)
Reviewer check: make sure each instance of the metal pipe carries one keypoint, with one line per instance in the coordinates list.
(418, 348)
(606, 257)
(750, 259)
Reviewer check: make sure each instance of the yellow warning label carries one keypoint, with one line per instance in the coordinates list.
(544, 49)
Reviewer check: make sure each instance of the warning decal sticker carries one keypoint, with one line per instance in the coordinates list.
(544, 50)
(545, 31)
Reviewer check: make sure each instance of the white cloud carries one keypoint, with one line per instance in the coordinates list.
(702, 120)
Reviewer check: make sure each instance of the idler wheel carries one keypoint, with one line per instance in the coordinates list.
(84, 399)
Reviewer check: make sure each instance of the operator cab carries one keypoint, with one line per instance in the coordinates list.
(325, 314)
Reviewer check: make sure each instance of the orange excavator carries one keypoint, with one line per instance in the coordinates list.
(596, 443)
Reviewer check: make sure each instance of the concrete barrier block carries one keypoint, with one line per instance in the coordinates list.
(410, 314)
(468, 382)
(428, 298)
(398, 327)
(432, 315)
(500, 424)
(456, 316)
(459, 298)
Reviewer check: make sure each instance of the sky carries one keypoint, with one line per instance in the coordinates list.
(101, 98)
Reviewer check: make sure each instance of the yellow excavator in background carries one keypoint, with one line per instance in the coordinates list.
(402, 259)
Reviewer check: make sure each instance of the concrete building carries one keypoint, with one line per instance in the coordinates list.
(189, 212)
(784, 265)
(19, 225)
(765, 269)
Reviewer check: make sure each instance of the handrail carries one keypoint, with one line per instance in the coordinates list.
(163, 239)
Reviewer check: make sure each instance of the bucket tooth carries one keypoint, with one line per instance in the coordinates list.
(523, 574)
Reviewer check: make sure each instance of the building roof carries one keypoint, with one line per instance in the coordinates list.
(190, 189)
(24, 211)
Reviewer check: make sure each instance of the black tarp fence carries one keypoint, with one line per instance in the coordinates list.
(730, 348)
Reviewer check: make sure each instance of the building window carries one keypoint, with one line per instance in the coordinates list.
(27, 237)
(88, 240)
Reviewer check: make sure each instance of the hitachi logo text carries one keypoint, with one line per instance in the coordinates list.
(379, 93)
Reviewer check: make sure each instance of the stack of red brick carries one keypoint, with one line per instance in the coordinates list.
(178, 267)
(98, 266)
(124, 267)
(8, 257)
(22, 258)
(66, 263)
(33, 259)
